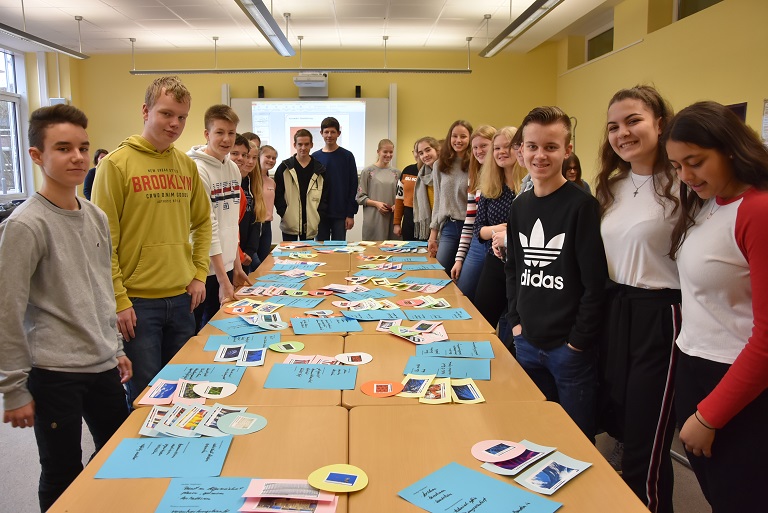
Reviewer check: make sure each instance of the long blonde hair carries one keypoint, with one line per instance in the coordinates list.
(492, 178)
(257, 188)
(486, 132)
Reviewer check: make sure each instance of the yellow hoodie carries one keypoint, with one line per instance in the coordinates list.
(153, 201)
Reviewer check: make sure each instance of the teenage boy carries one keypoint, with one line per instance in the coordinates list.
(556, 272)
(156, 206)
(340, 165)
(301, 191)
(61, 358)
(221, 181)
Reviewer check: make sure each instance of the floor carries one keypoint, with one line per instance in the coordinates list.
(19, 472)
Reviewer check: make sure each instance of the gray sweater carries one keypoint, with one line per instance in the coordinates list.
(450, 194)
(57, 309)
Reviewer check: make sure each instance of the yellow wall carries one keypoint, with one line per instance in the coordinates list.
(711, 55)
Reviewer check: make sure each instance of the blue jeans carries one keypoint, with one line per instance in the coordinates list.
(163, 326)
(565, 376)
(449, 243)
(62, 401)
(332, 229)
(470, 271)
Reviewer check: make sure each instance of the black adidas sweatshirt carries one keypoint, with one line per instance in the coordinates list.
(556, 268)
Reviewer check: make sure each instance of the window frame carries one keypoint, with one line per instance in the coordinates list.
(676, 9)
(19, 97)
(599, 31)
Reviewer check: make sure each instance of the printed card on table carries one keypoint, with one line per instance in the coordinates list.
(457, 349)
(154, 417)
(313, 326)
(161, 392)
(250, 341)
(375, 273)
(371, 294)
(447, 314)
(423, 267)
(465, 391)
(449, 367)
(295, 302)
(551, 473)
(438, 392)
(415, 385)
(200, 372)
(220, 494)
(458, 489)
(166, 457)
(311, 377)
(511, 467)
(408, 259)
(375, 315)
(209, 425)
(235, 327)
(440, 282)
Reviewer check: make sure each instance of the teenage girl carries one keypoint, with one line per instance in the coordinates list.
(500, 182)
(450, 208)
(376, 193)
(635, 189)
(424, 192)
(720, 243)
(470, 256)
(267, 160)
(253, 210)
(572, 172)
(403, 219)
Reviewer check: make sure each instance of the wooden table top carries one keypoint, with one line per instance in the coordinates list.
(287, 448)
(398, 445)
(509, 382)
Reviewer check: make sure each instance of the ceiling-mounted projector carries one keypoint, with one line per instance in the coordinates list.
(311, 80)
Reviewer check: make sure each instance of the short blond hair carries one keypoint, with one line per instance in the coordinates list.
(166, 85)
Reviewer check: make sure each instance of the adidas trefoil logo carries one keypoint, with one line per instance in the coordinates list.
(536, 253)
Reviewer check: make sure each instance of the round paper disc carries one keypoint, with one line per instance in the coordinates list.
(272, 326)
(381, 388)
(338, 478)
(492, 451)
(214, 390)
(241, 423)
(237, 310)
(290, 346)
(354, 358)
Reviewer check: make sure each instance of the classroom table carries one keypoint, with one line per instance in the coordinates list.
(398, 445)
(286, 448)
(509, 382)
(251, 390)
(477, 324)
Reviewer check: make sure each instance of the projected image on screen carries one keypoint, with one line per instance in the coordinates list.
(277, 121)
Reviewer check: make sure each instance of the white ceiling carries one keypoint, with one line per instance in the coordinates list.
(190, 25)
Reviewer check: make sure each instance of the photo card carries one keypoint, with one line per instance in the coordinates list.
(552, 473)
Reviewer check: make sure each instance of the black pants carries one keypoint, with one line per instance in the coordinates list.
(637, 365)
(491, 291)
(62, 401)
(732, 479)
(210, 305)
(406, 224)
(332, 228)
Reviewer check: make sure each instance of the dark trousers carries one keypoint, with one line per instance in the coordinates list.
(289, 237)
(406, 224)
(265, 241)
(208, 308)
(732, 479)
(62, 401)
(491, 292)
(637, 366)
(332, 229)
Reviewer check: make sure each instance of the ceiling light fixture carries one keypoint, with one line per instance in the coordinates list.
(26, 36)
(260, 16)
(526, 20)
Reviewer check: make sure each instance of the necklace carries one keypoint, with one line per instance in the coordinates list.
(637, 187)
(715, 207)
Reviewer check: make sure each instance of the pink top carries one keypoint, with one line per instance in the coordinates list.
(268, 191)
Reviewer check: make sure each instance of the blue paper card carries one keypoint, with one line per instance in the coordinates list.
(251, 341)
(415, 244)
(442, 314)
(295, 302)
(290, 267)
(202, 495)
(397, 259)
(440, 282)
(166, 457)
(457, 349)
(313, 326)
(235, 327)
(370, 294)
(456, 488)
(334, 243)
(423, 267)
(449, 367)
(379, 273)
(274, 279)
(273, 284)
(375, 315)
(312, 377)
(201, 372)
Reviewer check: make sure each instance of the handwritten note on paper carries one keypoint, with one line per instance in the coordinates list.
(314, 325)
(457, 349)
(250, 341)
(370, 294)
(283, 280)
(457, 489)
(423, 267)
(201, 372)
(219, 494)
(289, 267)
(400, 259)
(166, 457)
(376, 273)
(449, 367)
(295, 302)
(426, 281)
(442, 314)
(311, 377)
(374, 315)
(235, 327)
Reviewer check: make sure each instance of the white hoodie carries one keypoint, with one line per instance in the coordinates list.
(222, 183)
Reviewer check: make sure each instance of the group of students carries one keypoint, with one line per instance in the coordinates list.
(648, 298)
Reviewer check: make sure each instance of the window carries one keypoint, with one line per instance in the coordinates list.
(600, 44)
(12, 179)
(687, 7)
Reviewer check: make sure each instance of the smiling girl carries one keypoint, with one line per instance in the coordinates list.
(376, 193)
(428, 150)
(720, 243)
